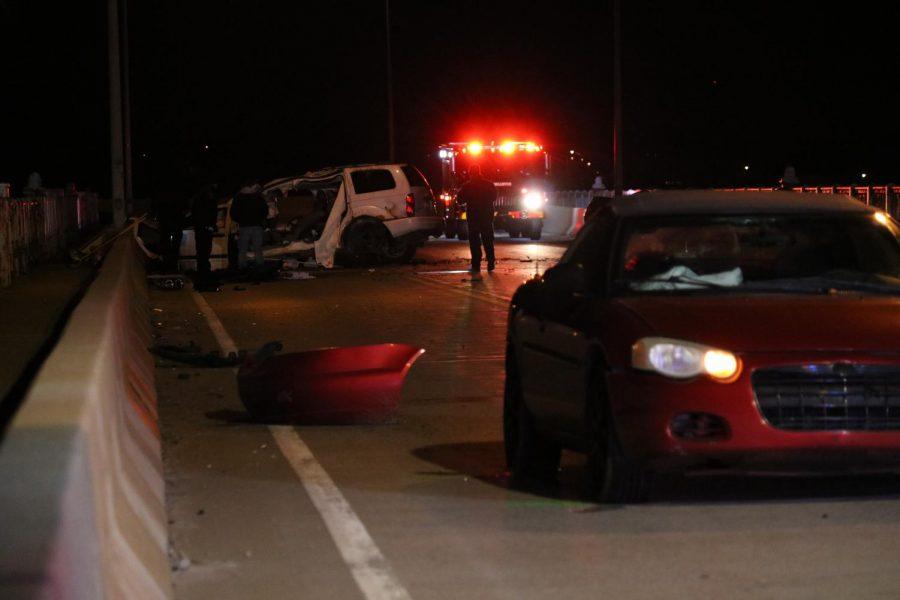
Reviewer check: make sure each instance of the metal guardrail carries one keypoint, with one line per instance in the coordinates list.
(39, 228)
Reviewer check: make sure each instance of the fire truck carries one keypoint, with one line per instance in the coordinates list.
(520, 171)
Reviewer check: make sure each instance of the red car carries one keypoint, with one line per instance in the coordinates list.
(710, 330)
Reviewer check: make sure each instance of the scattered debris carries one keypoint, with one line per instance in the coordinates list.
(178, 561)
(191, 354)
(201, 512)
(296, 275)
(170, 281)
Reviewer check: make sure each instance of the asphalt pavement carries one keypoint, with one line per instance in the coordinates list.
(420, 506)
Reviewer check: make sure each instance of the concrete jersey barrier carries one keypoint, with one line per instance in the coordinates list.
(82, 511)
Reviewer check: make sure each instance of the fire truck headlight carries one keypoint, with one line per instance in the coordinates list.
(533, 200)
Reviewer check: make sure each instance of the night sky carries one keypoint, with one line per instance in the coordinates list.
(280, 88)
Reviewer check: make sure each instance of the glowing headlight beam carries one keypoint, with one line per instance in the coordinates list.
(682, 360)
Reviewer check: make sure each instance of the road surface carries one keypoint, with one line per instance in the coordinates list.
(420, 507)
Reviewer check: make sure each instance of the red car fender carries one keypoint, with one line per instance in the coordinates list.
(331, 386)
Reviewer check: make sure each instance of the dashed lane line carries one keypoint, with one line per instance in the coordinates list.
(493, 298)
(370, 569)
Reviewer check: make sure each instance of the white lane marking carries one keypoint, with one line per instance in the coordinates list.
(370, 569)
(225, 342)
(368, 566)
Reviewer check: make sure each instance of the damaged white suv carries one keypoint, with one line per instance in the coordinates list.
(370, 213)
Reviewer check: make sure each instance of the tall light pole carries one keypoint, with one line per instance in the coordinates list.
(126, 110)
(392, 150)
(617, 98)
(116, 139)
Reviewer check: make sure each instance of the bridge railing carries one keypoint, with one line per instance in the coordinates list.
(38, 228)
(884, 197)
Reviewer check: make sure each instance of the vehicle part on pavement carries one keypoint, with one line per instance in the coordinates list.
(332, 386)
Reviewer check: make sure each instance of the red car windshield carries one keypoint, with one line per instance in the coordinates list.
(760, 252)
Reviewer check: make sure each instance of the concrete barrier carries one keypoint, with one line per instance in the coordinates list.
(82, 511)
(564, 213)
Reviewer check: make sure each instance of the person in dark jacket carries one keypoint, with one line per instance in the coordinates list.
(249, 209)
(204, 214)
(169, 209)
(478, 196)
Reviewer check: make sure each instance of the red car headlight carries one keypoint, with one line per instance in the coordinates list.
(682, 360)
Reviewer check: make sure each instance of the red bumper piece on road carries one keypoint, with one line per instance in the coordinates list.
(333, 386)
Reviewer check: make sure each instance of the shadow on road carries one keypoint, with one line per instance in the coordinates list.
(486, 462)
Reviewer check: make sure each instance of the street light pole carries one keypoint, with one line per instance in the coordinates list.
(117, 166)
(126, 111)
(617, 98)
(392, 151)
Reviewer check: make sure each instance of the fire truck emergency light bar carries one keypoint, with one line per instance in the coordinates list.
(475, 148)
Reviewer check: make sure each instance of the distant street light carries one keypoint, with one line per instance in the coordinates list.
(746, 167)
(864, 175)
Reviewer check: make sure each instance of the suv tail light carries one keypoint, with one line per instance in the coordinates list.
(410, 205)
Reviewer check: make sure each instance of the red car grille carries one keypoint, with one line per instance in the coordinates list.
(839, 396)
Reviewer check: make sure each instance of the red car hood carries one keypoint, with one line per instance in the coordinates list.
(780, 323)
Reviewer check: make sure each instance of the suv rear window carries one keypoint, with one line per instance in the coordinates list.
(372, 180)
(414, 177)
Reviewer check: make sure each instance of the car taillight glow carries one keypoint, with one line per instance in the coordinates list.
(508, 147)
(410, 205)
(475, 148)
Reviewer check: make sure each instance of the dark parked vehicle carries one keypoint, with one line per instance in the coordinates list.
(710, 330)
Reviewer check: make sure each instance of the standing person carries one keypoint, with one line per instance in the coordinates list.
(168, 207)
(204, 214)
(249, 209)
(478, 196)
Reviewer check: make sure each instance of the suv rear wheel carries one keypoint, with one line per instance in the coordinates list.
(366, 241)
